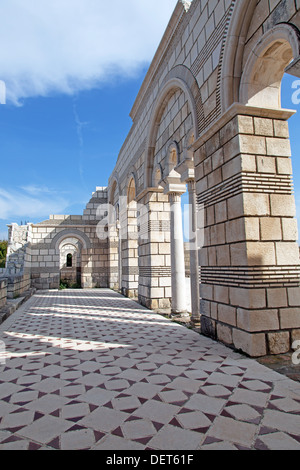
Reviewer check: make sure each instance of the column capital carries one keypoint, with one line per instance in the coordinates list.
(191, 184)
(175, 188)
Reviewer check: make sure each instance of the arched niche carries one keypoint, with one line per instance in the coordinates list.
(70, 251)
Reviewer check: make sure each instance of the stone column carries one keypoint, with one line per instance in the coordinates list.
(130, 271)
(154, 290)
(177, 256)
(194, 258)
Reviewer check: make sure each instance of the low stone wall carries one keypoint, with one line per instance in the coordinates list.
(187, 259)
(3, 292)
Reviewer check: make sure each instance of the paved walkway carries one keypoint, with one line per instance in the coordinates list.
(94, 370)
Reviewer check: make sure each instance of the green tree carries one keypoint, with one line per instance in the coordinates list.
(3, 251)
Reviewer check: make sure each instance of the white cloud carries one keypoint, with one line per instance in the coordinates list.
(30, 202)
(70, 45)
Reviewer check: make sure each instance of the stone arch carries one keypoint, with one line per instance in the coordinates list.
(234, 50)
(179, 78)
(71, 233)
(266, 64)
(70, 262)
(233, 58)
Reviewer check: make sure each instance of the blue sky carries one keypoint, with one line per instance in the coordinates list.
(69, 94)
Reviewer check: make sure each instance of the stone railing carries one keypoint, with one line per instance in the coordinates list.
(18, 284)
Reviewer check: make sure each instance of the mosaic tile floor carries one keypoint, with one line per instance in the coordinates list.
(90, 369)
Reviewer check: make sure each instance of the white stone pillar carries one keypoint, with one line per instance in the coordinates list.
(194, 259)
(179, 304)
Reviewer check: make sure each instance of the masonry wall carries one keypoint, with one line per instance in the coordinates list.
(89, 228)
(249, 262)
(239, 158)
(17, 285)
(195, 126)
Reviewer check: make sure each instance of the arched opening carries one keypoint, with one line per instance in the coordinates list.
(186, 85)
(69, 260)
(115, 274)
(131, 193)
(130, 261)
(175, 114)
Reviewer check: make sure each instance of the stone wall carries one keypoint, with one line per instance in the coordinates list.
(17, 285)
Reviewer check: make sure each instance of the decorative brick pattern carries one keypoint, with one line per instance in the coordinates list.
(207, 117)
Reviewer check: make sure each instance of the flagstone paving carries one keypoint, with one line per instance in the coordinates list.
(90, 369)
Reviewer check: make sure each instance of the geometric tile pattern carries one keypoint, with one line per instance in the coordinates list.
(90, 369)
